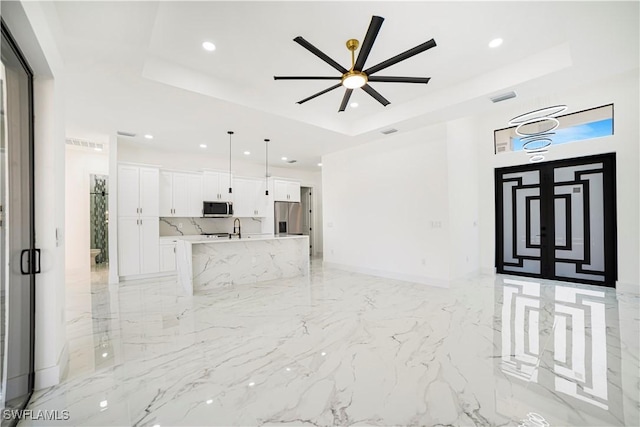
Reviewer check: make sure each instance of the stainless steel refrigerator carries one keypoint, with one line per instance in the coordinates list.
(288, 218)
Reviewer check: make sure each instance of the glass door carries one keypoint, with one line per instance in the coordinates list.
(556, 220)
(19, 260)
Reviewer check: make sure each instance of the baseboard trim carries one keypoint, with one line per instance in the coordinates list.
(147, 276)
(423, 280)
(47, 377)
(628, 288)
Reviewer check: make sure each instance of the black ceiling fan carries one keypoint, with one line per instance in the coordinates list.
(356, 77)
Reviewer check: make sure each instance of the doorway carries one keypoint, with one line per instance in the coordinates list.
(99, 227)
(306, 200)
(557, 220)
(19, 260)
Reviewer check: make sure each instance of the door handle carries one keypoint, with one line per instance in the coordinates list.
(37, 269)
(28, 252)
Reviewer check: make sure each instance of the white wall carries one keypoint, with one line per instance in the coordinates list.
(131, 152)
(381, 198)
(386, 207)
(463, 188)
(80, 164)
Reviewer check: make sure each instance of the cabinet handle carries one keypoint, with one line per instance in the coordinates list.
(140, 210)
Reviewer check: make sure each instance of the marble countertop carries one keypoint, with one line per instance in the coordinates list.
(251, 237)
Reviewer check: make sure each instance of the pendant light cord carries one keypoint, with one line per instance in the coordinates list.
(230, 133)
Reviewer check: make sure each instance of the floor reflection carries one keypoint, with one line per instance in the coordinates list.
(561, 341)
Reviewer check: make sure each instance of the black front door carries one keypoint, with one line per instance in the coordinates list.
(557, 220)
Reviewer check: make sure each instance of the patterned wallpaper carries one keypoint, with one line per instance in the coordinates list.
(99, 208)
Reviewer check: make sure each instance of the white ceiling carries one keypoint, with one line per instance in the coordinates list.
(140, 67)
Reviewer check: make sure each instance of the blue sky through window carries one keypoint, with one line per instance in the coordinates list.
(574, 133)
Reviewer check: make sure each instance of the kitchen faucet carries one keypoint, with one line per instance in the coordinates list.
(239, 232)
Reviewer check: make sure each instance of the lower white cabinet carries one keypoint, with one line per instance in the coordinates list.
(138, 245)
(167, 256)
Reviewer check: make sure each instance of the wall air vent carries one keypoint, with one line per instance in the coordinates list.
(98, 146)
(388, 131)
(123, 133)
(291, 161)
(503, 97)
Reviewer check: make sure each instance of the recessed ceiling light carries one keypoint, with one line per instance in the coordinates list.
(495, 42)
(284, 158)
(354, 105)
(246, 153)
(98, 149)
(319, 164)
(147, 136)
(203, 145)
(209, 46)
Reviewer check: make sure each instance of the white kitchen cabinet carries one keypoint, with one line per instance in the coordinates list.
(138, 191)
(286, 191)
(180, 194)
(167, 256)
(194, 195)
(138, 220)
(138, 245)
(215, 187)
(249, 198)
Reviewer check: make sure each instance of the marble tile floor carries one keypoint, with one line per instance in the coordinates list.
(339, 348)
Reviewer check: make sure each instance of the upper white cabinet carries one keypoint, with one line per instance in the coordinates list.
(180, 194)
(215, 187)
(249, 197)
(286, 191)
(138, 191)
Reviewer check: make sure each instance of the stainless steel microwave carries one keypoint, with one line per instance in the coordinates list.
(217, 209)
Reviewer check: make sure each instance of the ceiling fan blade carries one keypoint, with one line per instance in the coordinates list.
(345, 100)
(317, 52)
(367, 43)
(320, 93)
(374, 93)
(424, 80)
(401, 57)
(306, 78)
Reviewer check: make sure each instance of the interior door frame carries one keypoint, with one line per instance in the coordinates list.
(6, 33)
(547, 265)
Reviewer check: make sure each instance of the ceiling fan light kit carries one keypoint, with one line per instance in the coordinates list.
(356, 77)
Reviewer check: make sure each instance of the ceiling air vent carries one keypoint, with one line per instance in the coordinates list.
(291, 161)
(503, 97)
(388, 131)
(85, 144)
(123, 133)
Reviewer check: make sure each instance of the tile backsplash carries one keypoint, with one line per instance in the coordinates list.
(171, 226)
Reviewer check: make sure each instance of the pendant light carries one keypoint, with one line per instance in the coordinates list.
(266, 167)
(230, 133)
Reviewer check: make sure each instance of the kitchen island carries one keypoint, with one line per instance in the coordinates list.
(206, 264)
